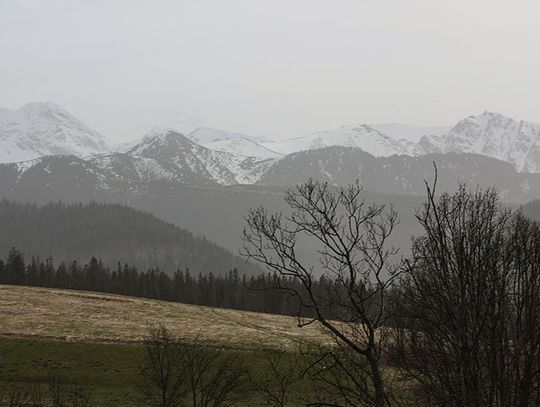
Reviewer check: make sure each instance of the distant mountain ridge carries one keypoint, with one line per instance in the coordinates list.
(126, 175)
(403, 175)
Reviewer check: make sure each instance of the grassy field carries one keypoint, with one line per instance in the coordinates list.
(93, 340)
(109, 372)
(30, 312)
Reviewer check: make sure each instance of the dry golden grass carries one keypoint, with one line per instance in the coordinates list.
(86, 316)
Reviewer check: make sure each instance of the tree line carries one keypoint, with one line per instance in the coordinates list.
(233, 290)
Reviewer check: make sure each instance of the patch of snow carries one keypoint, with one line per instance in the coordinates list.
(360, 136)
(242, 147)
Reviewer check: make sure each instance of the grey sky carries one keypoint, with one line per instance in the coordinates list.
(273, 68)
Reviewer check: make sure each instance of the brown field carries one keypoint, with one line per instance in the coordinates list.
(86, 316)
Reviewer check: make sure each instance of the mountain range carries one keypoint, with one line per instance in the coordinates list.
(487, 149)
(40, 129)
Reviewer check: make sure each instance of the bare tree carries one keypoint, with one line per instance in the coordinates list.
(340, 377)
(470, 332)
(189, 373)
(353, 252)
(215, 378)
(281, 371)
(163, 370)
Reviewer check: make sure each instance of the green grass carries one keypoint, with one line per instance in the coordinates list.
(110, 372)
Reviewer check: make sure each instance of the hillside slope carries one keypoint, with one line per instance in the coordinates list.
(113, 233)
(85, 316)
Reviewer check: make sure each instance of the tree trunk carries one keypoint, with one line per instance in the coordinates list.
(378, 383)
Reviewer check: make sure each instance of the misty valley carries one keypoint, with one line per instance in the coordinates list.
(269, 204)
(211, 270)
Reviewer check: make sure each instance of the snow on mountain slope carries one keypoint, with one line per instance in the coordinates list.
(194, 163)
(123, 167)
(361, 136)
(204, 135)
(43, 128)
(232, 143)
(497, 136)
(431, 144)
(242, 147)
(400, 131)
(413, 149)
(191, 162)
(489, 134)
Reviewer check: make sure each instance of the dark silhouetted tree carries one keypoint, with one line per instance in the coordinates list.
(354, 256)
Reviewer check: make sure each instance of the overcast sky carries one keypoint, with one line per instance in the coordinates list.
(272, 68)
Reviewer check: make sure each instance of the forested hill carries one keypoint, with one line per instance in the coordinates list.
(114, 233)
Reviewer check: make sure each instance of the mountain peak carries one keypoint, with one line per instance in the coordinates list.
(495, 135)
(161, 132)
(490, 115)
(163, 139)
(44, 128)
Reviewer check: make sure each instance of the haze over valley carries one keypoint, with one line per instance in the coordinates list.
(207, 180)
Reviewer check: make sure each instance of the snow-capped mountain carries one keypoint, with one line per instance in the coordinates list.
(494, 135)
(361, 136)
(488, 134)
(215, 157)
(43, 128)
(193, 163)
